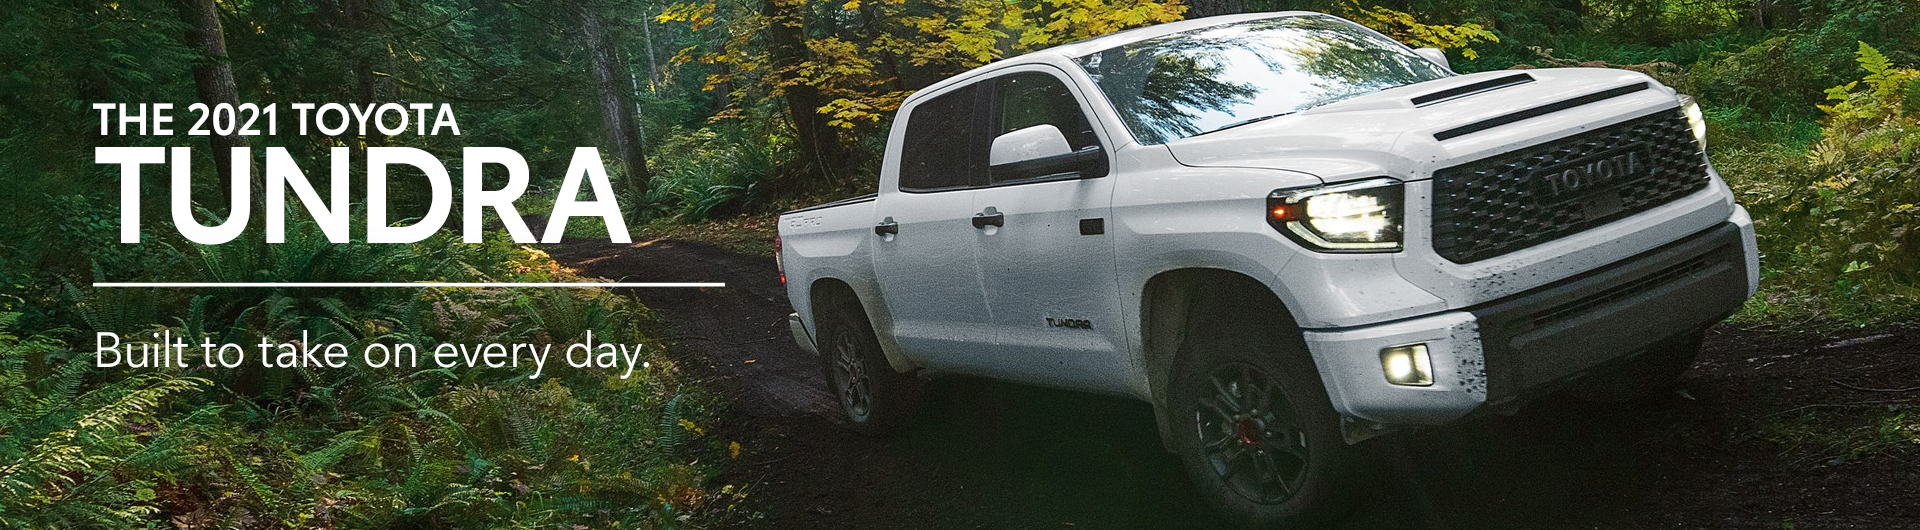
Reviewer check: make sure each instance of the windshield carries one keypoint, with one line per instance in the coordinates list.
(1200, 81)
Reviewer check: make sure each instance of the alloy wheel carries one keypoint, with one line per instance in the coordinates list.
(1249, 434)
(855, 388)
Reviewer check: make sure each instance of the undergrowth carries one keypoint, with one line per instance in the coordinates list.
(1839, 221)
(353, 447)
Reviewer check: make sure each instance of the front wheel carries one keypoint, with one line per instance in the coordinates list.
(875, 399)
(1257, 433)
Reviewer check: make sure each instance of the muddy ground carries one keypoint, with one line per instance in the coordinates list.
(1768, 430)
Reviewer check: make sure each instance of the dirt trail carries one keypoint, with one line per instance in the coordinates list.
(1720, 453)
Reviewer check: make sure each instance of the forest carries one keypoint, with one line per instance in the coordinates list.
(706, 111)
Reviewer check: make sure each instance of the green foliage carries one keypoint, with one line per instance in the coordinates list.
(1407, 29)
(1885, 98)
(719, 174)
(1817, 438)
(356, 446)
(79, 455)
(846, 66)
(1842, 222)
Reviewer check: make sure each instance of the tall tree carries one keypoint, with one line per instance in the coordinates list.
(213, 81)
(368, 55)
(787, 39)
(365, 47)
(841, 67)
(613, 83)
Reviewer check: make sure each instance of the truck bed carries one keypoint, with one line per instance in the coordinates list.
(827, 241)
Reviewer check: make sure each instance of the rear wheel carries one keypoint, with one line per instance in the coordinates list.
(875, 398)
(1255, 429)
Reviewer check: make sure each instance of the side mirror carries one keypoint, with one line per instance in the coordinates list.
(1434, 54)
(1032, 143)
(1041, 151)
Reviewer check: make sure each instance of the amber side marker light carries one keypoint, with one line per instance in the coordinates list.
(1361, 216)
(1285, 213)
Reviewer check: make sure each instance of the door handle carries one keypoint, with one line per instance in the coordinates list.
(989, 217)
(886, 226)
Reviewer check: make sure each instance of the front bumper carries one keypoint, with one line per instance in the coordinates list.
(1524, 345)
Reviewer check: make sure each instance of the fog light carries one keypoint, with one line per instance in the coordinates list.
(1407, 365)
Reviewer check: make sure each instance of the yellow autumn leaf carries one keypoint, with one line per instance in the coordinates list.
(733, 449)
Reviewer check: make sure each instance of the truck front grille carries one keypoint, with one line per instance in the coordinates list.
(1517, 200)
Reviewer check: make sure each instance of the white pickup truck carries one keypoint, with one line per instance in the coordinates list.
(1286, 232)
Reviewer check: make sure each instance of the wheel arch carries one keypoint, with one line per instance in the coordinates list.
(1169, 303)
(834, 294)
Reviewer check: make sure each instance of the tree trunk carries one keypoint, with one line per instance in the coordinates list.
(889, 65)
(213, 83)
(213, 80)
(723, 92)
(368, 56)
(803, 101)
(653, 65)
(614, 99)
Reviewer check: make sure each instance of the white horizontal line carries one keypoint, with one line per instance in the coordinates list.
(402, 284)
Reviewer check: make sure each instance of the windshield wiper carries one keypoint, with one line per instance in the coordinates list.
(1245, 122)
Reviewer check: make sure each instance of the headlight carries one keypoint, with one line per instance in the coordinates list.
(1362, 216)
(1695, 118)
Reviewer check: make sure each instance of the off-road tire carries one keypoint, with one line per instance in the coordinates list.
(875, 399)
(1229, 448)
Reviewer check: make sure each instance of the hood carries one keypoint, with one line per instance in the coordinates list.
(1392, 132)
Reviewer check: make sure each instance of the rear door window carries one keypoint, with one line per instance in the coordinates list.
(939, 151)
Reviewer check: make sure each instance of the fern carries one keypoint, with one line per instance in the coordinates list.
(261, 492)
(1875, 63)
(669, 436)
(195, 324)
(63, 451)
(114, 310)
(325, 457)
(353, 447)
(1887, 96)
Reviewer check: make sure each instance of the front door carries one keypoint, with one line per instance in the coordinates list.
(1049, 268)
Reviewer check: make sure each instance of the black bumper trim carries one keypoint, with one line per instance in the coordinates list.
(1534, 339)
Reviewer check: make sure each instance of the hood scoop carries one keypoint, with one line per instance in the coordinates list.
(1542, 110)
(1471, 89)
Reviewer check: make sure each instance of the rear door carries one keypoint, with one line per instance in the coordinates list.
(1049, 270)
(924, 258)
